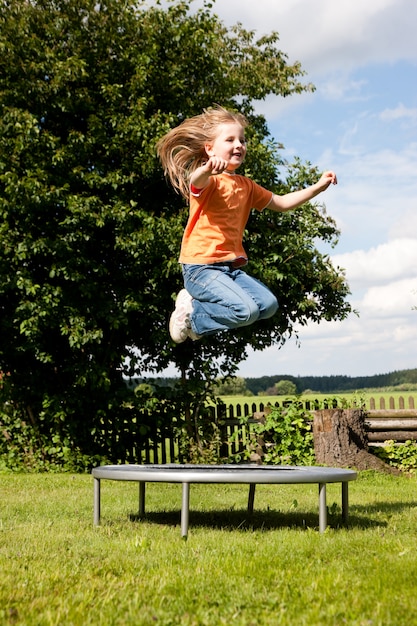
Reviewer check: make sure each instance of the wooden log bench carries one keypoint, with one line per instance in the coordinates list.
(391, 424)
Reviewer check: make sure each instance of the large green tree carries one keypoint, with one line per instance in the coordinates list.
(89, 229)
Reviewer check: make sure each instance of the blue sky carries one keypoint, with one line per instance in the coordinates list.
(362, 122)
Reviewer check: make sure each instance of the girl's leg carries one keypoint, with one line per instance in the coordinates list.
(224, 298)
(266, 301)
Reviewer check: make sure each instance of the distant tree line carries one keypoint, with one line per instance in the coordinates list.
(289, 385)
(334, 384)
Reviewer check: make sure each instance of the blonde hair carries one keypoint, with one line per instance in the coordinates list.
(182, 150)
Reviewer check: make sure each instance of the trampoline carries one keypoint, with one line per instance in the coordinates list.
(250, 474)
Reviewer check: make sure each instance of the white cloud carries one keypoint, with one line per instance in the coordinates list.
(393, 300)
(386, 262)
(326, 35)
(406, 222)
(400, 112)
(358, 346)
(338, 87)
(376, 198)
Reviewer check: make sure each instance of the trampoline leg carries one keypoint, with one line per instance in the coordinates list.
(185, 509)
(251, 497)
(322, 507)
(142, 498)
(97, 501)
(345, 501)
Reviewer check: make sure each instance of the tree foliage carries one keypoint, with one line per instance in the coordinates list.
(90, 230)
(285, 388)
(231, 386)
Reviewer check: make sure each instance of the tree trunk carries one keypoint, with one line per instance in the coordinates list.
(340, 440)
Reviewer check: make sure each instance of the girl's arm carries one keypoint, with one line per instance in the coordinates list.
(295, 199)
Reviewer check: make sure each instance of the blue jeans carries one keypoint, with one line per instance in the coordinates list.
(225, 298)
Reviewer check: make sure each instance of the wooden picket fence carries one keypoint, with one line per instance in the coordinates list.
(397, 421)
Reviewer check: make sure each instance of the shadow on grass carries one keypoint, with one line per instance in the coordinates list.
(384, 507)
(241, 520)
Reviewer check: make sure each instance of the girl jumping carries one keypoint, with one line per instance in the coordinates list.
(200, 158)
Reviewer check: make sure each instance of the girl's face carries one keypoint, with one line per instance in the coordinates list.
(229, 144)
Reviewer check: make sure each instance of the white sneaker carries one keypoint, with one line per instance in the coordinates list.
(180, 324)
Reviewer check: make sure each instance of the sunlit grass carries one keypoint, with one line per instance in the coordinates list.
(273, 568)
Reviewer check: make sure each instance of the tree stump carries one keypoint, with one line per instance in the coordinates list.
(340, 440)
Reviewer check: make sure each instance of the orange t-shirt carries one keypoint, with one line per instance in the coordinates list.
(218, 216)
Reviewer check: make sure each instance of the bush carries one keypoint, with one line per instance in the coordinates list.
(402, 456)
(282, 437)
(23, 448)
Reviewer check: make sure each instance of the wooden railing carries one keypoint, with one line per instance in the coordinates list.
(373, 403)
(397, 422)
(401, 403)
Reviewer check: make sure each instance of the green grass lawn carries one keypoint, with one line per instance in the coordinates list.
(272, 569)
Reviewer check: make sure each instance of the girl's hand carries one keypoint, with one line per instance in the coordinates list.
(201, 176)
(326, 179)
(215, 165)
